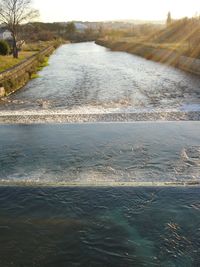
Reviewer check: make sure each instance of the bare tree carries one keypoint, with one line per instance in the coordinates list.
(13, 13)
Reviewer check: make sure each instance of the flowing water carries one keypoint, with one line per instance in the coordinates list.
(111, 195)
(88, 78)
(110, 153)
(109, 227)
(101, 194)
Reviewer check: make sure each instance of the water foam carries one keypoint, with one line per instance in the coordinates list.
(94, 115)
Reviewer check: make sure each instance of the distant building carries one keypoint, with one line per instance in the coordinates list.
(80, 27)
(5, 34)
(169, 19)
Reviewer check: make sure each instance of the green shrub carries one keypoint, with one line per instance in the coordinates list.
(4, 48)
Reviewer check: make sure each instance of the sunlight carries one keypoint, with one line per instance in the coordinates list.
(99, 122)
(94, 10)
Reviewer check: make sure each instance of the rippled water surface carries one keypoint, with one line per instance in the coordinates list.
(87, 77)
(69, 193)
(101, 153)
(110, 227)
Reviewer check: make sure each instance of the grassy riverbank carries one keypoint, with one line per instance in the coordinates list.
(132, 43)
(20, 71)
(180, 47)
(7, 62)
(15, 73)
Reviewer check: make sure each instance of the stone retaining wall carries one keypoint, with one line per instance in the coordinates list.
(17, 76)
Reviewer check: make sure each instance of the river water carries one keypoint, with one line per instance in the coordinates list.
(110, 227)
(101, 194)
(109, 154)
(87, 78)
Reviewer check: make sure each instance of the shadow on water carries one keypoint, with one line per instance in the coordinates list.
(111, 227)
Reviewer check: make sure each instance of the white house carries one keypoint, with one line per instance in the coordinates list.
(80, 27)
(5, 34)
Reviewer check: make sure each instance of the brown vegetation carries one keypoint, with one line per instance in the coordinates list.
(181, 36)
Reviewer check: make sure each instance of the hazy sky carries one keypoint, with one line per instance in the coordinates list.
(96, 10)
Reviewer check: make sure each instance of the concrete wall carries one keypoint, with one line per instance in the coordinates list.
(17, 76)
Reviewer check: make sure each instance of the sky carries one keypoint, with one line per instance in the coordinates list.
(101, 10)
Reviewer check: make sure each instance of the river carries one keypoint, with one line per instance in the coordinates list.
(87, 78)
(111, 194)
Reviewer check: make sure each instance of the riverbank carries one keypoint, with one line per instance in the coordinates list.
(7, 62)
(171, 57)
(17, 72)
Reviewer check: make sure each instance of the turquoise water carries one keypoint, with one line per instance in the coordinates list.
(110, 227)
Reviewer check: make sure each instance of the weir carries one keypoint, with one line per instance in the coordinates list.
(127, 98)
